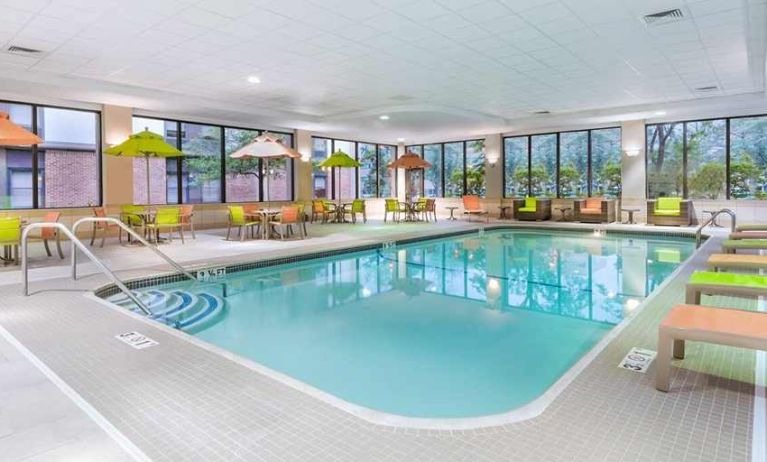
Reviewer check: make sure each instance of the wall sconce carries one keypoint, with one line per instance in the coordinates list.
(632, 152)
(492, 160)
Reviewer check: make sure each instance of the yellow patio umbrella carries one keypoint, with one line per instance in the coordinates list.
(265, 146)
(144, 144)
(409, 161)
(14, 135)
(339, 159)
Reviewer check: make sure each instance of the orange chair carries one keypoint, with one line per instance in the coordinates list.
(103, 226)
(289, 215)
(472, 206)
(51, 233)
(187, 218)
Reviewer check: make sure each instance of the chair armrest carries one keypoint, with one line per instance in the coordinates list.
(516, 204)
(651, 206)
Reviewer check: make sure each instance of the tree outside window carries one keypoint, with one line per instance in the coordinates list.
(515, 166)
(573, 164)
(664, 160)
(543, 172)
(748, 161)
(475, 168)
(606, 162)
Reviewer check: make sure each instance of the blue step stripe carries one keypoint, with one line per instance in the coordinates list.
(212, 304)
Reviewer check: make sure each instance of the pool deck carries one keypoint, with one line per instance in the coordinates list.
(182, 401)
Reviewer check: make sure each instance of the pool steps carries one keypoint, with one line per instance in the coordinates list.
(182, 309)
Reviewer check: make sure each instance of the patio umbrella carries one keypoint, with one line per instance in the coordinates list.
(14, 135)
(409, 161)
(264, 147)
(339, 159)
(145, 144)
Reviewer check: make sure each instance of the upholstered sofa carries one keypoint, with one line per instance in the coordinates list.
(594, 210)
(669, 211)
(532, 209)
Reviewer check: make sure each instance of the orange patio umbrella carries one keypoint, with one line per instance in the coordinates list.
(409, 161)
(14, 135)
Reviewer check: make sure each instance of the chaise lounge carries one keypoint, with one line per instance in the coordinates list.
(732, 284)
(725, 261)
(532, 209)
(594, 210)
(669, 211)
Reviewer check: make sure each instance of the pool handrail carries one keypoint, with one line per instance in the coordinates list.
(75, 243)
(131, 232)
(711, 219)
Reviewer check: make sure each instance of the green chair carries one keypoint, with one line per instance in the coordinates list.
(237, 220)
(392, 206)
(357, 206)
(532, 209)
(166, 219)
(133, 216)
(669, 211)
(727, 284)
(10, 238)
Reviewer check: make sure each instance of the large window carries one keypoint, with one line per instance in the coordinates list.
(207, 173)
(63, 171)
(371, 179)
(543, 165)
(606, 162)
(748, 158)
(706, 147)
(573, 164)
(458, 168)
(665, 157)
(566, 164)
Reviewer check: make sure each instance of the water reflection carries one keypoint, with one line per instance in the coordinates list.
(582, 276)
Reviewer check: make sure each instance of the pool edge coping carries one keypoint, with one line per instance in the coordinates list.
(526, 412)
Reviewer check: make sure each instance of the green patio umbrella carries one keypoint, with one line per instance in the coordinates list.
(339, 159)
(144, 144)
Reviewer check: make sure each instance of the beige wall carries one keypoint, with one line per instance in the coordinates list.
(117, 175)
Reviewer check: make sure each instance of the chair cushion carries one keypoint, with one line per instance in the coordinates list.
(593, 203)
(591, 211)
(667, 213)
(728, 279)
(668, 203)
(530, 202)
(526, 209)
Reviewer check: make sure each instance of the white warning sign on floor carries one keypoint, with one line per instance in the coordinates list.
(638, 360)
(136, 340)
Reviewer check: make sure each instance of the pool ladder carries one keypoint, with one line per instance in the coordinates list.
(711, 219)
(76, 243)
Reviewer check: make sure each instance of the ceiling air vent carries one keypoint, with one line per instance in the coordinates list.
(706, 89)
(663, 17)
(17, 50)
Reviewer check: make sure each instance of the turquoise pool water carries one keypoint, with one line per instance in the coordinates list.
(464, 326)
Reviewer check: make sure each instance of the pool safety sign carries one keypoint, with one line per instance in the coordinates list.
(211, 274)
(638, 360)
(136, 340)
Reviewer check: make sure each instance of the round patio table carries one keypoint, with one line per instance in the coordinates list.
(264, 215)
(451, 212)
(504, 212)
(564, 211)
(630, 211)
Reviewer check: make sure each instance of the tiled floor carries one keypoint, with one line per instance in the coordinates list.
(178, 401)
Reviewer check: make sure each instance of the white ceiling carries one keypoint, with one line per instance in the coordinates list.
(436, 67)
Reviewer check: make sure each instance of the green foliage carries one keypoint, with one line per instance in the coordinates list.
(570, 181)
(744, 174)
(707, 182)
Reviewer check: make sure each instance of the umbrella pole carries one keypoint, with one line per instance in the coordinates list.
(148, 190)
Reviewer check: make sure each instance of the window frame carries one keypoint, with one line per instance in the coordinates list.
(222, 154)
(464, 142)
(529, 137)
(331, 178)
(35, 154)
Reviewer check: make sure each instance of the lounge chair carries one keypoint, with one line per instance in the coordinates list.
(724, 261)
(532, 209)
(733, 245)
(723, 326)
(473, 207)
(594, 210)
(748, 235)
(669, 211)
(751, 227)
(733, 284)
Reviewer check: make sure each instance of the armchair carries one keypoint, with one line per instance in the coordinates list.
(532, 209)
(669, 211)
(594, 210)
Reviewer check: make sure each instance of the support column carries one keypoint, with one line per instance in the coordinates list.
(117, 174)
(493, 169)
(401, 186)
(633, 175)
(303, 175)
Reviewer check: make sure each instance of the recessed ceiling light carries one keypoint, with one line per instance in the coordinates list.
(660, 113)
(254, 79)
(400, 140)
(384, 117)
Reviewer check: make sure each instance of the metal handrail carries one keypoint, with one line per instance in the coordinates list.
(133, 233)
(75, 243)
(699, 231)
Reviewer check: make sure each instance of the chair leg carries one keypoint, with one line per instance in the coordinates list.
(103, 236)
(228, 231)
(181, 233)
(241, 233)
(93, 234)
(191, 227)
(58, 246)
(47, 249)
